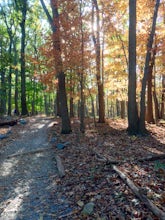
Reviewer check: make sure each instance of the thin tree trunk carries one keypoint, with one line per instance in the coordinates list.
(151, 86)
(82, 107)
(149, 113)
(71, 97)
(16, 78)
(162, 114)
(3, 93)
(122, 109)
(9, 26)
(24, 110)
(142, 126)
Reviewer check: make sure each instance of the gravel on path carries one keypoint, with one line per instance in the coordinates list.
(28, 187)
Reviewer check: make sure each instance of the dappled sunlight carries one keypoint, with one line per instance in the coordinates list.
(52, 123)
(38, 126)
(12, 206)
(7, 167)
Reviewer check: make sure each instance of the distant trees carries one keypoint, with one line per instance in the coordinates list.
(85, 64)
(22, 7)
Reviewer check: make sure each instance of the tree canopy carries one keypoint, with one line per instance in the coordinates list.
(72, 58)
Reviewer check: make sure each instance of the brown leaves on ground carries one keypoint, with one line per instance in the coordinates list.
(88, 179)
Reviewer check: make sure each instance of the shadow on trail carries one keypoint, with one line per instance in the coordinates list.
(28, 183)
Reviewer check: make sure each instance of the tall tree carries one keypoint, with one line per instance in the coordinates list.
(3, 64)
(55, 26)
(142, 126)
(82, 108)
(99, 77)
(163, 98)
(9, 22)
(132, 105)
(22, 7)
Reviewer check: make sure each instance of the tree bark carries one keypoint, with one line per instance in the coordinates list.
(162, 114)
(142, 126)
(149, 115)
(16, 77)
(96, 41)
(132, 105)
(122, 109)
(24, 110)
(82, 104)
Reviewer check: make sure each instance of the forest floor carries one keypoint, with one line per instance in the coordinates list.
(30, 187)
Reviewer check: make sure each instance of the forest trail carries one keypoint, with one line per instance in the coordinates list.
(28, 189)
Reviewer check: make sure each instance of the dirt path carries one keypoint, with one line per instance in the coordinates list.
(28, 189)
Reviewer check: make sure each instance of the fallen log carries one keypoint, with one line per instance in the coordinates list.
(152, 158)
(154, 209)
(10, 123)
(158, 212)
(60, 166)
(30, 152)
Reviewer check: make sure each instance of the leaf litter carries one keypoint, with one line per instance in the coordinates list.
(90, 180)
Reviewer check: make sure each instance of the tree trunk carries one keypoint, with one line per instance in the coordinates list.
(142, 126)
(57, 104)
(55, 26)
(23, 69)
(71, 103)
(96, 41)
(3, 94)
(9, 76)
(16, 80)
(151, 86)
(162, 114)
(118, 110)
(149, 115)
(71, 107)
(82, 105)
(132, 105)
(123, 109)
(66, 127)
